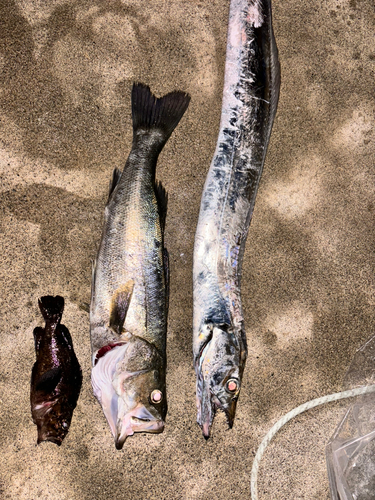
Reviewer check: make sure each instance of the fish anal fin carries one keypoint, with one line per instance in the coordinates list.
(166, 275)
(114, 181)
(162, 199)
(119, 307)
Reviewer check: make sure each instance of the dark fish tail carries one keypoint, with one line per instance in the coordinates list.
(163, 114)
(51, 308)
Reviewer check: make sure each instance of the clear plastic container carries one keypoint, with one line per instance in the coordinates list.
(350, 453)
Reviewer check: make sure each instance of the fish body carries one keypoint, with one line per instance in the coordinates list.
(56, 377)
(129, 303)
(250, 96)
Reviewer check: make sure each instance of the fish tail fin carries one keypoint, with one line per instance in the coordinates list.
(163, 114)
(51, 307)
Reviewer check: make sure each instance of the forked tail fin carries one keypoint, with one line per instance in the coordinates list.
(164, 113)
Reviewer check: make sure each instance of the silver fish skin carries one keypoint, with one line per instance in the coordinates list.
(129, 299)
(250, 97)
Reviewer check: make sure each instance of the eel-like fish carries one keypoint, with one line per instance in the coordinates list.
(251, 91)
(56, 376)
(129, 302)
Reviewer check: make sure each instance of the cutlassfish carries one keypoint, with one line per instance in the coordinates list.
(129, 300)
(250, 97)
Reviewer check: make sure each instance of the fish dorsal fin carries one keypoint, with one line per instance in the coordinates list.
(49, 380)
(114, 181)
(119, 307)
(162, 198)
(38, 335)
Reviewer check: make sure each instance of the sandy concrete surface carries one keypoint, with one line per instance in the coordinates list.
(66, 70)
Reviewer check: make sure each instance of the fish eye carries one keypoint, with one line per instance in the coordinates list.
(232, 385)
(156, 396)
(65, 425)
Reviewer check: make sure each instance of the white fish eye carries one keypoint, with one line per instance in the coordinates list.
(156, 396)
(65, 425)
(232, 385)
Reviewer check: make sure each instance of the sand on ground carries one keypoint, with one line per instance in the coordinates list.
(66, 70)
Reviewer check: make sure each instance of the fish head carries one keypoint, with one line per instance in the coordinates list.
(52, 419)
(129, 382)
(53, 397)
(219, 367)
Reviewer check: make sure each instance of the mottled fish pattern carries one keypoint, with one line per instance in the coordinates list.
(129, 303)
(250, 97)
(56, 377)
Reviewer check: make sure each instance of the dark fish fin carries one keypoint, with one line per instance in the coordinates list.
(149, 112)
(38, 334)
(84, 306)
(67, 337)
(162, 198)
(51, 307)
(120, 304)
(49, 380)
(93, 274)
(114, 181)
(166, 274)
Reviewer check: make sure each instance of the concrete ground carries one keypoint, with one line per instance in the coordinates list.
(66, 70)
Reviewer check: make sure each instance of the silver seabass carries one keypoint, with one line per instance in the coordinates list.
(251, 90)
(129, 303)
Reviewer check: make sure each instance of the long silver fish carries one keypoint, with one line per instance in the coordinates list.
(129, 303)
(251, 91)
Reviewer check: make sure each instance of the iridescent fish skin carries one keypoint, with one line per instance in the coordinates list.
(129, 303)
(56, 377)
(251, 90)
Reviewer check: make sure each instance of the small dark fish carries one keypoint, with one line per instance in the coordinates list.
(251, 91)
(129, 302)
(56, 377)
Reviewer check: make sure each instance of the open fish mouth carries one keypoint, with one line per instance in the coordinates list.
(51, 437)
(208, 404)
(214, 373)
(137, 420)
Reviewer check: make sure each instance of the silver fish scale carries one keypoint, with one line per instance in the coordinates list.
(250, 96)
(131, 249)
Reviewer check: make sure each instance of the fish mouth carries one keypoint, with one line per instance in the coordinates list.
(207, 406)
(126, 412)
(208, 401)
(48, 436)
(137, 420)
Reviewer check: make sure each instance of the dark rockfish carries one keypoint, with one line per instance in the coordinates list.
(56, 377)
(251, 90)
(129, 303)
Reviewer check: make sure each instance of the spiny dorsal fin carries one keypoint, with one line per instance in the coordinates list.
(119, 307)
(162, 198)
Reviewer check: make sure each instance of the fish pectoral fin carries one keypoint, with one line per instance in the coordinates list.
(49, 380)
(120, 305)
